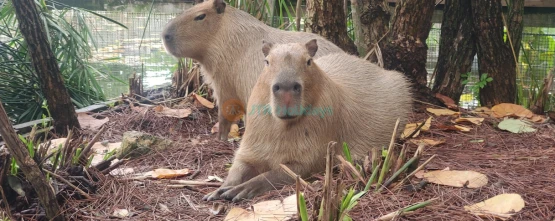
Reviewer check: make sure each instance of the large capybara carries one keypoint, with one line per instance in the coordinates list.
(226, 42)
(299, 105)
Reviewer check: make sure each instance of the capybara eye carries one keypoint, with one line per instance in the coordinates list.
(266, 62)
(309, 62)
(200, 17)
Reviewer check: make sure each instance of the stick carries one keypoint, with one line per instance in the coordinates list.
(195, 183)
(294, 176)
(68, 183)
(87, 150)
(415, 171)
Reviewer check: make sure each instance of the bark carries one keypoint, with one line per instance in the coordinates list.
(515, 24)
(46, 66)
(405, 48)
(327, 18)
(371, 23)
(495, 56)
(456, 49)
(31, 170)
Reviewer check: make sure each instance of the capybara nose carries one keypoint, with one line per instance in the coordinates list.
(294, 87)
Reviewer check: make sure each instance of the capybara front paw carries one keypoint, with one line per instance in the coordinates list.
(216, 194)
(240, 192)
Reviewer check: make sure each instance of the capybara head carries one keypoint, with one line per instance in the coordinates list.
(188, 34)
(288, 68)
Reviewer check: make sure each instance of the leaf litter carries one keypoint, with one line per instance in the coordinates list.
(503, 157)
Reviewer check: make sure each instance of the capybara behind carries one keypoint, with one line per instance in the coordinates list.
(299, 105)
(226, 42)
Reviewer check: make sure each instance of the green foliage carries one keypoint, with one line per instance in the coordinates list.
(538, 50)
(69, 37)
(483, 81)
(302, 207)
(284, 10)
(347, 153)
(349, 201)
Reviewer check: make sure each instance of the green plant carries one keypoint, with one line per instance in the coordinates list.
(482, 82)
(71, 41)
(302, 207)
(538, 49)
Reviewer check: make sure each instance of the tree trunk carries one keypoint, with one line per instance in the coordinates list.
(456, 49)
(371, 23)
(327, 18)
(31, 170)
(514, 20)
(405, 48)
(46, 66)
(495, 57)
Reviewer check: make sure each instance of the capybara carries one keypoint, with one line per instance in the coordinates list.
(299, 105)
(226, 42)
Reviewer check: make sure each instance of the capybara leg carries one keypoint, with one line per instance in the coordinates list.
(224, 127)
(238, 173)
(273, 179)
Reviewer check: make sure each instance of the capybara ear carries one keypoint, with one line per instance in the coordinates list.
(219, 5)
(266, 47)
(312, 47)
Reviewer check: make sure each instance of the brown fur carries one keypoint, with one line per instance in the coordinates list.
(227, 44)
(366, 101)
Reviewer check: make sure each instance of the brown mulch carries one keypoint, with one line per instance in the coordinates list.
(514, 163)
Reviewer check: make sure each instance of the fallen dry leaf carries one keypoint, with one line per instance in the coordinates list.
(419, 174)
(473, 120)
(457, 178)
(462, 128)
(121, 213)
(483, 112)
(100, 150)
(54, 144)
(409, 128)
(429, 142)
(167, 173)
(538, 119)
(508, 109)
(266, 210)
(203, 101)
(139, 109)
(515, 126)
(453, 128)
(234, 131)
(88, 122)
(176, 113)
(501, 206)
(442, 112)
(450, 103)
(215, 128)
(122, 171)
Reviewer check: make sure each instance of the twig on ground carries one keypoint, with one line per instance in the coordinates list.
(68, 183)
(87, 150)
(406, 210)
(415, 171)
(114, 166)
(195, 183)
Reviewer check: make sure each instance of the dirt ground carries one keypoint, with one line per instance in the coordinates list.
(513, 163)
